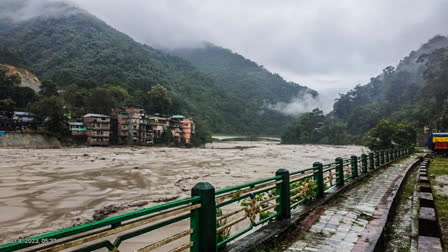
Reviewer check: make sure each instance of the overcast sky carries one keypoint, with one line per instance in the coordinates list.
(321, 44)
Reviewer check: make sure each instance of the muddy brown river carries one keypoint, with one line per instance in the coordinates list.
(46, 189)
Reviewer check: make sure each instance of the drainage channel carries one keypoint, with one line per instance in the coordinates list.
(429, 238)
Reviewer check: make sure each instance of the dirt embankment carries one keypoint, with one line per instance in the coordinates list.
(28, 79)
(22, 140)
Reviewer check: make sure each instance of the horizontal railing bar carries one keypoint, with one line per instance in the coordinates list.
(222, 228)
(232, 237)
(243, 197)
(138, 232)
(269, 207)
(183, 247)
(244, 191)
(97, 224)
(302, 178)
(234, 188)
(297, 203)
(165, 241)
(300, 175)
(301, 171)
(120, 229)
(266, 219)
(227, 215)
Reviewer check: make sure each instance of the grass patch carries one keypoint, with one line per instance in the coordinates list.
(394, 237)
(439, 167)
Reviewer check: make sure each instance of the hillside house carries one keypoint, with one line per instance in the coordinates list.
(181, 128)
(98, 129)
(125, 125)
(77, 128)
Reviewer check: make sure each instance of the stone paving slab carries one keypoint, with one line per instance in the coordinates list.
(343, 222)
(427, 213)
(426, 196)
(429, 244)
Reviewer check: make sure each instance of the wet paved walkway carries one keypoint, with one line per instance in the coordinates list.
(344, 223)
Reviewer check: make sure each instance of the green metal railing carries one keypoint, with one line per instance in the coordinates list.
(216, 218)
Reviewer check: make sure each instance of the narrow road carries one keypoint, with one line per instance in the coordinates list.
(346, 223)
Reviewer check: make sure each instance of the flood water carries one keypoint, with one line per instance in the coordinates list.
(46, 189)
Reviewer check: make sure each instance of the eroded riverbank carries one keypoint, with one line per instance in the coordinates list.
(47, 189)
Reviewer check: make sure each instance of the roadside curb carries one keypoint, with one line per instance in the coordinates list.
(371, 238)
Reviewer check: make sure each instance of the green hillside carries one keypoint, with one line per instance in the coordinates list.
(237, 73)
(247, 81)
(73, 47)
(415, 92)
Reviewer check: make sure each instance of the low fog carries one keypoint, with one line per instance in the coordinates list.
(305, 103)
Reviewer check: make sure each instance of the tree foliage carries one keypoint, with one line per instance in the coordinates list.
(386, 135)
(80, 53)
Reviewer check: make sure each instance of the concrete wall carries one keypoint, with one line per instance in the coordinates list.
(24, 140)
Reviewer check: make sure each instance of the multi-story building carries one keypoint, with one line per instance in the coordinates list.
(158, 125)
(125, 125)
(181, 128)
(77, 128)
(98, 129)
(145, 134)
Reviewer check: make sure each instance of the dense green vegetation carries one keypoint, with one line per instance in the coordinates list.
(90, 62)
(438, 174)
(386, 135)
(248, 81)
(12, 96)
(415, 91)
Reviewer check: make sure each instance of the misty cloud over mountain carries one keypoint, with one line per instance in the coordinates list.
(321, 44)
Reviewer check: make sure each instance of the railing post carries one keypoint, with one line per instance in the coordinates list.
(319, 178)
(339, 171)
(371, 163)
(282, 189)
(387, 156)
(364, 163)
(203, 221)
(377, 159)
(354, 166)
(382, 157)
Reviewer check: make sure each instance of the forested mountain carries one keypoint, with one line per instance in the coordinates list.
(236, 73)
(416, 92)
(248, 81)
(78, 52)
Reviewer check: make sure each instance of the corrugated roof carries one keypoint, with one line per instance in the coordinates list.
(95, 115)
(22, 113)
(178, 117)
(76, 123)
(440, 134)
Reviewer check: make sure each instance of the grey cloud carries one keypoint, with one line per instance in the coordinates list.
(27, 9)
(321, 44)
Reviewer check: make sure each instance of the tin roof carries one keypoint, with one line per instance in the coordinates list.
(95, 115)
(76, 123)
(440, 134)
(20, 113)
(178, 117)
